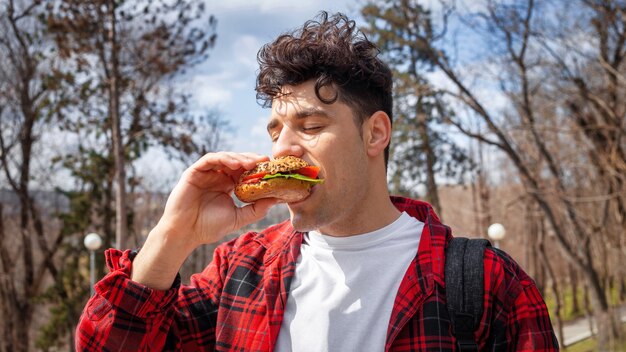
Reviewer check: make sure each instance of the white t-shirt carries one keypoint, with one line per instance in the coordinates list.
(343, 291)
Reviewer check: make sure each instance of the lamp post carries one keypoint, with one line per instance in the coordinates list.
(496, 232)
(421, 190)
(92, 242)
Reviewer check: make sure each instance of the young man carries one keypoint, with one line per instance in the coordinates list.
(352, 270)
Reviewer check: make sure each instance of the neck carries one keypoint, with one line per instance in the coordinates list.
(371, 211)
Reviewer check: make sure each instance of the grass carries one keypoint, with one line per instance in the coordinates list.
(587, 345)
(566, 303)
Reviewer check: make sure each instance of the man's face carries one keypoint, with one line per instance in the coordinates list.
(325, 135)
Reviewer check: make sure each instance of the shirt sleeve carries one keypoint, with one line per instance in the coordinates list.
(520, 320)
(529, 323)
(126, 316)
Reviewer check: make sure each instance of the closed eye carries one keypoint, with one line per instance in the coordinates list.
(311, 128)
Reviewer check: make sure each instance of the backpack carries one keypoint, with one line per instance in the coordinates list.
(464, 278)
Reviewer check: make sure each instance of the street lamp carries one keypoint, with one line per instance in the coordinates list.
(496, 232)
(92, 242)
(421, 190)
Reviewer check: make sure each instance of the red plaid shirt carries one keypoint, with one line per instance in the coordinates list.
(237, 302)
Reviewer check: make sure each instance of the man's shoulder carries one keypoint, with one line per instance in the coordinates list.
(496, 262)
(499, 260)
(504, 277)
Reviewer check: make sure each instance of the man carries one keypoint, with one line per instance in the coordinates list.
(352, 270)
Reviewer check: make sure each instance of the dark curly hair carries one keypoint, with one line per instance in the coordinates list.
(334, 52)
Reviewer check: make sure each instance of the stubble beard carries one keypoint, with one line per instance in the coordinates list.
(312, 217)
(304, 221)
(324, 215)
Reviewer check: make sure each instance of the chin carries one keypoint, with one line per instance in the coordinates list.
(299, 223)
(314, 212)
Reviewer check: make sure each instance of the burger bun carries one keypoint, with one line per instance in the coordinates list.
(286, 190)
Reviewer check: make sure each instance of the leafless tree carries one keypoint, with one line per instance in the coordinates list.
(27, 258)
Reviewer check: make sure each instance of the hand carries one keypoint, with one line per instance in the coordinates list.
(199, 210)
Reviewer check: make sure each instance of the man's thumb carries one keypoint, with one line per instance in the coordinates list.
(254, 212)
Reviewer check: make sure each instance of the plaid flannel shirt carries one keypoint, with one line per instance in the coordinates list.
(237, 302)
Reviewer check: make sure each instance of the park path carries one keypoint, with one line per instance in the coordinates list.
(578, 330)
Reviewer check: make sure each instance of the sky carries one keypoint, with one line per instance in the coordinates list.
(225, 82)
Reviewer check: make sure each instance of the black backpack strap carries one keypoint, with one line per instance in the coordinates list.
(464, 277)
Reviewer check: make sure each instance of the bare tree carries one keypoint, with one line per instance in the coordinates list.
(527, 60)
(25, 100)
(138, 45)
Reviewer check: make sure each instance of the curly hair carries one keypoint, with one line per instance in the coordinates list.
(334, 52)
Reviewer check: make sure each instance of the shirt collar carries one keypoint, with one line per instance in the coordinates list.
(284, 238)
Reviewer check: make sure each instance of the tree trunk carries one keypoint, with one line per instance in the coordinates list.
(422, 128)
(556, 291)
(474, 188)
(121, 221)
(484, 195)
(609, 331)
(573, 280)
(622, 289)
(540, 229)
(6, 344)
(26, 294)
(588, 309)
(17, 312)
(21, 329)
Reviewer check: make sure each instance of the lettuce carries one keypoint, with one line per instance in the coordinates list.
(296, 176)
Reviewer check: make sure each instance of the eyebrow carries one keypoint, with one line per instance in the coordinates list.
(311, 112)
(301, 114)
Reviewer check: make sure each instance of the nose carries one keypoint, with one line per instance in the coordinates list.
(287, 143)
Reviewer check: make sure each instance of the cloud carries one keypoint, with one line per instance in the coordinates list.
(259, 129)
(210, 90)
(244, 50)
(254, 138)
(220, 82)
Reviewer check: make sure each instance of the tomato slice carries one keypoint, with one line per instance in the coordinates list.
(254, 177)
(252, 180)
(309, 171)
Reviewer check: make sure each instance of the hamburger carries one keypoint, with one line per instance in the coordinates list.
(288, 179)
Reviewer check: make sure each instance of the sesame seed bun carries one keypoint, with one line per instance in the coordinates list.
(282, 164)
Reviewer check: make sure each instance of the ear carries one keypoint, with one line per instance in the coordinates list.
(377, 133)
